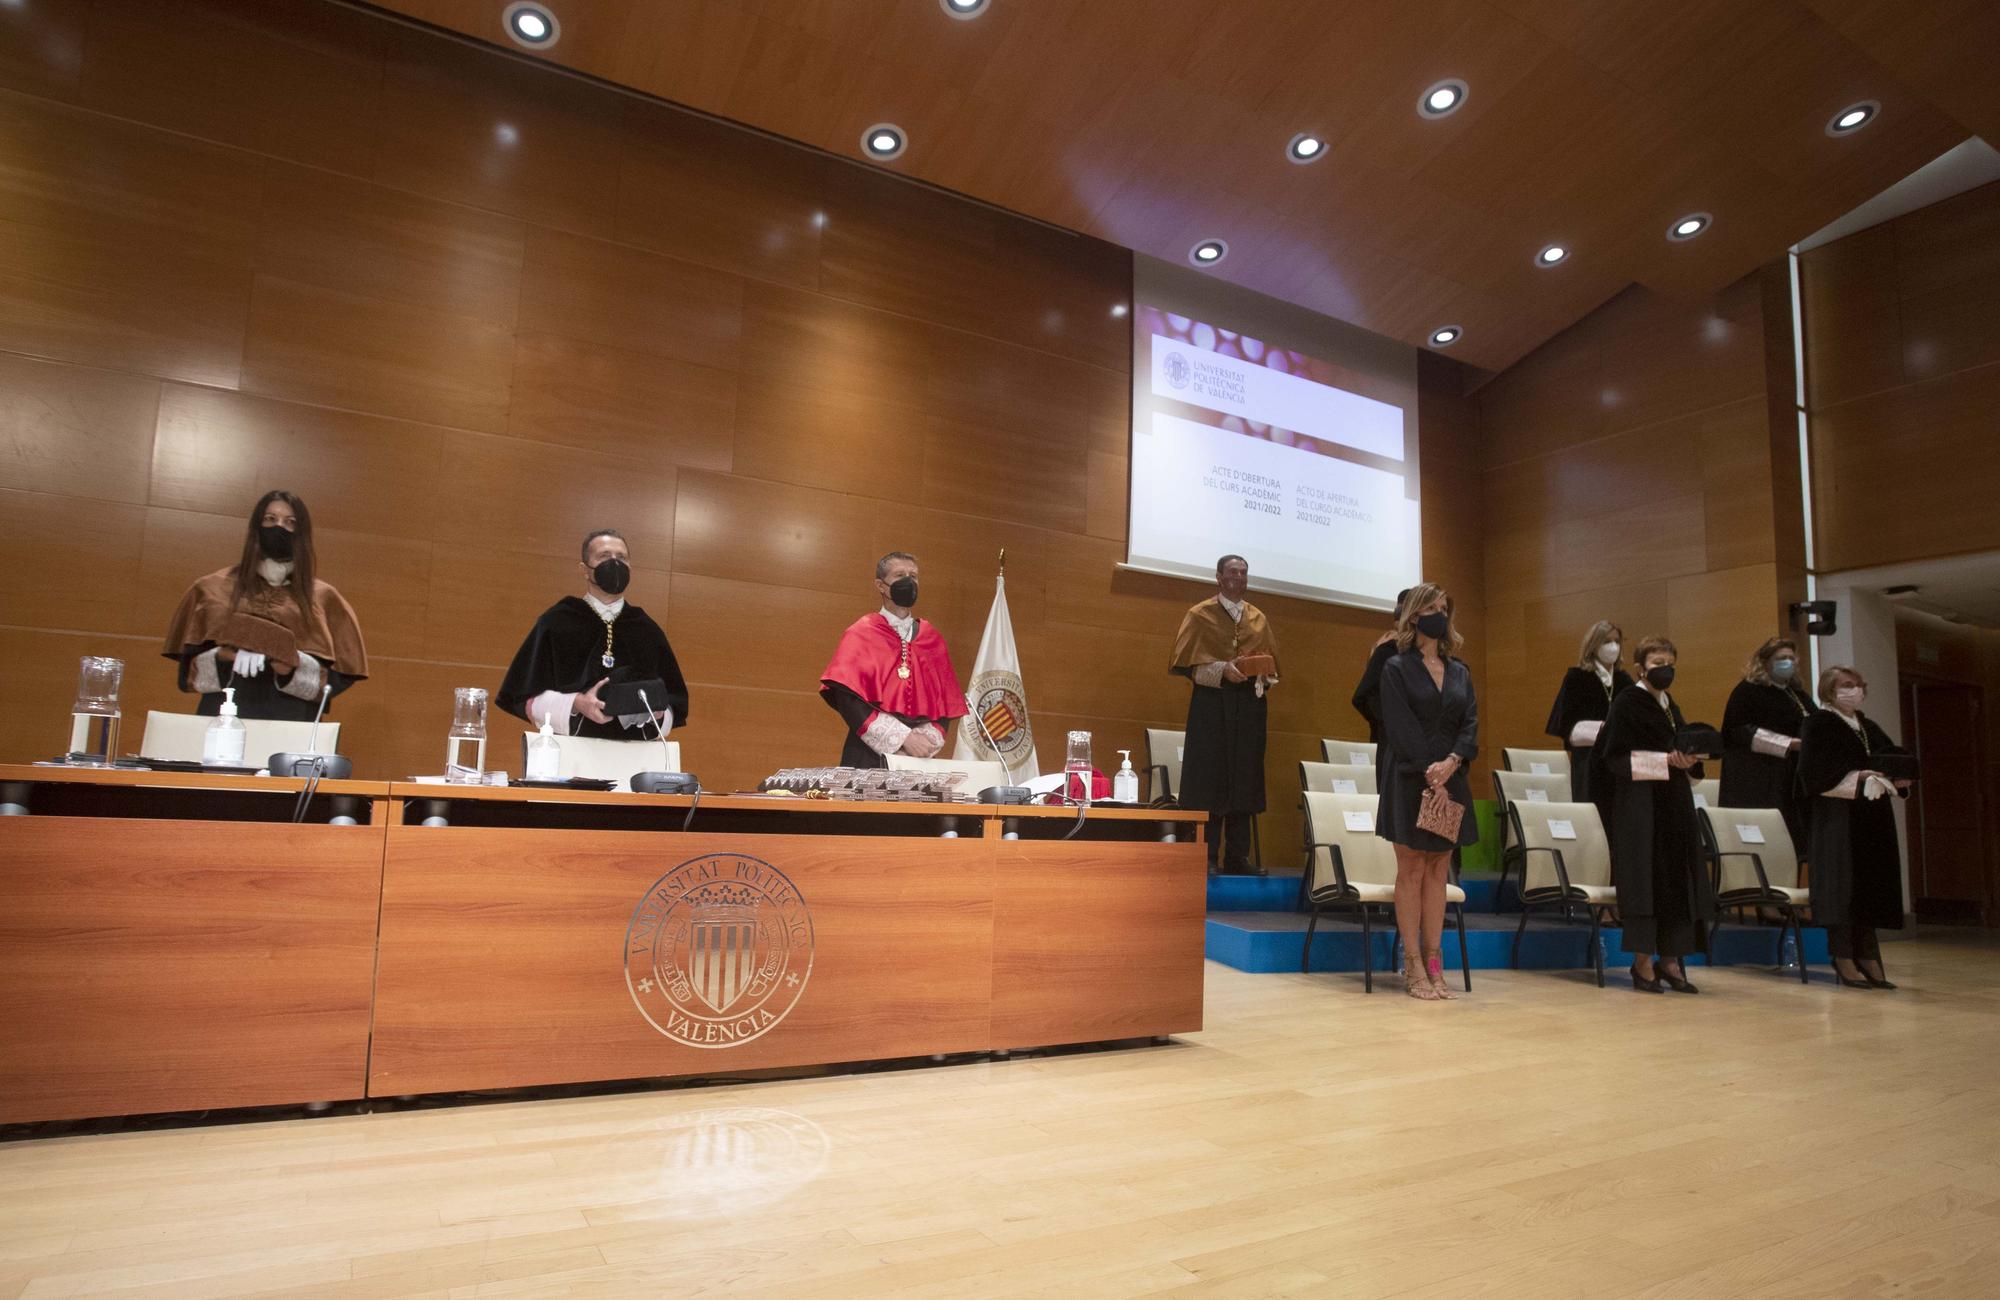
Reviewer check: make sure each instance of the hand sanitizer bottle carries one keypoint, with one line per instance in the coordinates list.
(1125, 785)
(544, 755)
(222, 743)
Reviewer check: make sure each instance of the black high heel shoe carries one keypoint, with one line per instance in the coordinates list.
(1875, 982)
(1847, 983)
(1646, 985)
(1678, 983)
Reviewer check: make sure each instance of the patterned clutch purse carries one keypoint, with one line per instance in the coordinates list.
(1439, 813)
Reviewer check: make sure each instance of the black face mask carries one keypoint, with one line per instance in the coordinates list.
(1661, 677)
(1434, 626)
(903, 592)
(274, 541)
(612, 575)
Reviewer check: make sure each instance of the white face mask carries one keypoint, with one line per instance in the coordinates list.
(1607, 654)
(1850, 697)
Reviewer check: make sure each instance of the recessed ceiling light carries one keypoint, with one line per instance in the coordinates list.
(1553, 255)
(963, 8)
(884, 140)
(1446, 335)
(1208, 252)
(1852, 118)
(1305, 147)
(1689, 226)
(1443, 99)
(1119, 310)
(530, 24)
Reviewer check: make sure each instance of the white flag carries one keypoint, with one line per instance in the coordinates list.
(998, 701)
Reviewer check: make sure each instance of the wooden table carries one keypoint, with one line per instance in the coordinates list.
(174, 942)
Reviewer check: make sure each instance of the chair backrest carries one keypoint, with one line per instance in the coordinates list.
(179, 736)
(1536, 762)
(1336, 778)
(980, 774)
(1571, 829)
(1164, 749)
(1761, 831)
(1510, 788)
(1708, 794)
(1347, 820)
(1354, 753)
(609, 760)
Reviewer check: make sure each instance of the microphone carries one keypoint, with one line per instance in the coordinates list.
(658, 735)
(325, 694)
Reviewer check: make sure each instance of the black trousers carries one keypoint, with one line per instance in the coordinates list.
(1853, 942)
(1229, 837)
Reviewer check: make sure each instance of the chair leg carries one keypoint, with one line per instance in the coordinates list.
(1500, 885)
(1514, 960)
(1305, 878)
(1306, 953)
(1596, 952)
(1799, 938)
(1714, 928)
(1464, 961)
(1367, 954)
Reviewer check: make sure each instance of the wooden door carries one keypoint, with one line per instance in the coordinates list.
(1948, 869)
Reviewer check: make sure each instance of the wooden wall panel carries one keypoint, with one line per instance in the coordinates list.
(1632, 480)
(472, 309)
(1903, 352)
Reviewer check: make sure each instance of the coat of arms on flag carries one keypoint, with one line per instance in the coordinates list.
(999, 729)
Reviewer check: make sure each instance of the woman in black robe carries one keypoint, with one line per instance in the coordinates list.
(1642, 788)
(1583, 701)
(1368, 693)
(1761, 726)
(1430, 733)
(1857, 875)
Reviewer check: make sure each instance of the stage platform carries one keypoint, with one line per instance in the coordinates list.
(1265, 942)
(1279, 892)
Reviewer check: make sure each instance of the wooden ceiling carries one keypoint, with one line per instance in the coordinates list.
(1156, 123)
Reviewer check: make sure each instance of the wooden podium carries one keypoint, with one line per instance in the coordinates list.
(175, 942)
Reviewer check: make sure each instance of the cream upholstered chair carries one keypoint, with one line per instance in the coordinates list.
(1336, 778)
(1355, 753)
(1163, 760)
(178, 736)
(609, 760)
(1756, 865)
(1565, 861)
(980, 774)
(1708, 794)
(1510, 788)
(1536, 762)
(1349, 866)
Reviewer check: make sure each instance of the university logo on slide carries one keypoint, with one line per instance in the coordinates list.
(1004, 713)
(1177, 368)
(719, 950)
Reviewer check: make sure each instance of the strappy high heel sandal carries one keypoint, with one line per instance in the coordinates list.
(1415, 982)
(1434, 971)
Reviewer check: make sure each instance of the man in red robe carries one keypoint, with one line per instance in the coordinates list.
(891, 679)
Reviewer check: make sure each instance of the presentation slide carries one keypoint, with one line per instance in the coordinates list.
(1243, 444)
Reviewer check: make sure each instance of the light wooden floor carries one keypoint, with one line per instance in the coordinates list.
(1537, 1139)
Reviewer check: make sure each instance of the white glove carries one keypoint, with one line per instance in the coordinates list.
(249, 663)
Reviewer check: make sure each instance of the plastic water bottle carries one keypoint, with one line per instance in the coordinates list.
(1789, 959)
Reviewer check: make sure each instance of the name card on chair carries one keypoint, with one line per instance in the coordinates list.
(1700, 799)
(1538, 796)
(1358, 819)
(1359, 759)
(1341, 785)
(1180, 753)
(1559, 830)
(1539, 769)
(1750, 834)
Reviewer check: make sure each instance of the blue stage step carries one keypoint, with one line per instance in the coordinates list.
(1272, 941)
(1279, 892)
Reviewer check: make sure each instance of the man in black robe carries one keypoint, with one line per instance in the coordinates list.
(582, 644)
(1225, 646)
